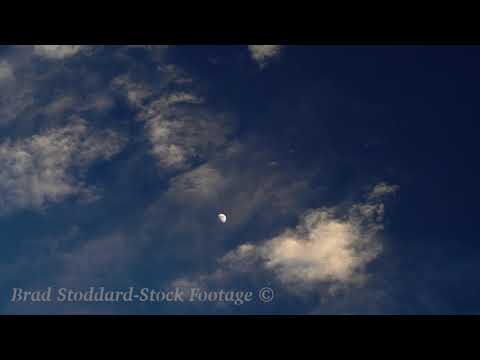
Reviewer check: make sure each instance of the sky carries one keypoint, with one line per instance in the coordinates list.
(348, 175)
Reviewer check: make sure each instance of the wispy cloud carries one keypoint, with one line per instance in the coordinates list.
(231, 182)
(48, 167)
(16, 93)
(57, 52)
(254, 197)
(179, 125)
(72, 104)
(174, 74)
(382, 189)
(331, 245)
(6, 72)
(263, 54)
(14, 103)
(30, 90)
(203, 183)
(136, 93)
(180, 137)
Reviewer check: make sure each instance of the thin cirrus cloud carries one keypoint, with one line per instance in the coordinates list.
(28, 90)
(242, 187)
(179, 136)
(135, 93)
(38, 171)
(203, 184)
(174, 74)
(178, 124)
(14, 98)
(228, 181)
(57, 52)
(6, 72)
(382, 189)
(263, 54)
(65, 104)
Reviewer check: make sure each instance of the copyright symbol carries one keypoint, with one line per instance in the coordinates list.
(266, 294)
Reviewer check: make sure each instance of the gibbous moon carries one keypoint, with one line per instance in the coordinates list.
(222, 218)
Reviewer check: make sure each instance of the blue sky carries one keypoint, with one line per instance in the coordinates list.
(348, 175)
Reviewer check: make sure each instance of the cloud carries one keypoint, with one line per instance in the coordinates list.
(70, 103)
(57, 52)
(180, 131)
(201, 184)
(230, 181)
(15, 97)
(136, 93)
(6, 72)
(60, 105)
(321, 248)
(382, 189)
(330, 246)
(255, 198)
(30, 90)
(262, 54)
(14, 103)
(180, 138)
(174, 74)
(102, 257)
(48, 167)
(179, 125)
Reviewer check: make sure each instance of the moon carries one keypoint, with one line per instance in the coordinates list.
(222, 218)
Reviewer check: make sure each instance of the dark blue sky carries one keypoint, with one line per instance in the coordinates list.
(112, 201)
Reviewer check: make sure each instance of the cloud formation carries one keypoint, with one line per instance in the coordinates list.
(14, 103)
(15, 97)
(179, 129)
(327, 245)
(179, 138)
(174, 74)
(203, 183)
(230, 181)
(262, 54)
(330, 246)
(57, 52)
(382, 189)
(135, 93)
(6, 72)
(32, 91)
(65, 104)
(46, 168)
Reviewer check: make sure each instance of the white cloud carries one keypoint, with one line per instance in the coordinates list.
(178, 141)
(164, 104)
(330, 246)
(41, 169)
(72, 103)
(381, 190)
(56, 52)
(136, 93)
(14, 97)
(179, 126)
(27, 90)
(262, 54)
(6, 72)
(180, 135)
